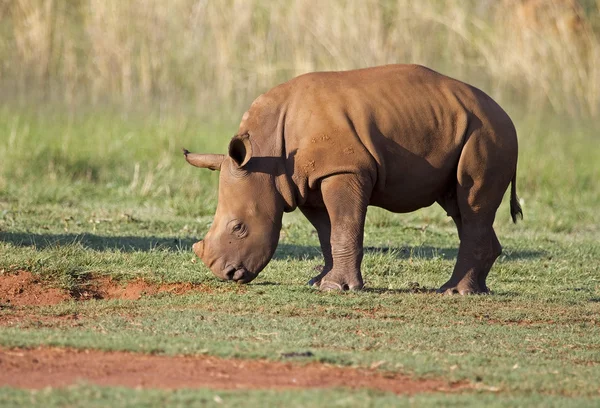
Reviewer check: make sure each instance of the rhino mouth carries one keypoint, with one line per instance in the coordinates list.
(238, 274)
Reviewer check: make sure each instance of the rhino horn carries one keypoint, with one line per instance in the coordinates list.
(205, 161)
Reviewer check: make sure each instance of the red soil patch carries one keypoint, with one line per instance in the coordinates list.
(24, 289)
(106, 288)
(53, 367)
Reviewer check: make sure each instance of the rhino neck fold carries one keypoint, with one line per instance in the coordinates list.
(283, 181)
(285, 187)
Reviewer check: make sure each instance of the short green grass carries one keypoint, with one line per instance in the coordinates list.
(89, 194)
(91, 396)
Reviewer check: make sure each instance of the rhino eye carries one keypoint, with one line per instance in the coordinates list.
(238, 228)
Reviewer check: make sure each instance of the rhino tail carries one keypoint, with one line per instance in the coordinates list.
(515, 207)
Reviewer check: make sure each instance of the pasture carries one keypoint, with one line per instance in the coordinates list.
(103, 303)
(92, 202)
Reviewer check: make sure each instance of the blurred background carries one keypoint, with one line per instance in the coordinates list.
(97, 97)
(219, 55)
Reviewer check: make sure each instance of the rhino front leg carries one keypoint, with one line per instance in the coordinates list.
(346, 198)
(319, 218)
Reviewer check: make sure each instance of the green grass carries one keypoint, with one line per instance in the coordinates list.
(73, 205)
(90, 396)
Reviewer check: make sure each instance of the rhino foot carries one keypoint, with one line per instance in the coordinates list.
(332, 282)
(462, 290)
(331, 285)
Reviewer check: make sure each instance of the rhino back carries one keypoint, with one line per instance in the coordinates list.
(402, 125)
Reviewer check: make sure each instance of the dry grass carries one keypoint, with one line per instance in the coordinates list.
(226, 52)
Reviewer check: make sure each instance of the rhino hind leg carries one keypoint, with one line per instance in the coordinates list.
(478, 250)
(484, 173)
(463, 280)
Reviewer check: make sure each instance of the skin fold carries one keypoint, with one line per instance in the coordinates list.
(399, 137)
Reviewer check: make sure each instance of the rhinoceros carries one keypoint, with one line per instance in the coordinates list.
(399, 137)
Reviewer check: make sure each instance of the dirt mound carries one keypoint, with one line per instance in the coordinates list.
(53, 367)
(25, 289)
(106, 288)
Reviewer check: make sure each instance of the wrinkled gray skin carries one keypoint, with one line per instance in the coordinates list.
(400, 137)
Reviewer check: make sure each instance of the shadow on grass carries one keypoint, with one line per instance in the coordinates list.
(175, 244)
(505, 293)
(434, 291)
(288, 251)
(265, 283)
(98, 242)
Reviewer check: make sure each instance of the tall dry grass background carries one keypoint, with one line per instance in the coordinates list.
(223, 53)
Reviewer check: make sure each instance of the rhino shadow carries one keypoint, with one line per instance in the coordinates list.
(130, 243)
(289, 251)
(176, 244)
(98, 242)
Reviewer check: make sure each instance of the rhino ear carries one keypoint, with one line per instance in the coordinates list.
(205, 161)
(240, 149)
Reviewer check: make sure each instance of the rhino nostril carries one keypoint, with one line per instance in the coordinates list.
(229, 272)
(239, 274)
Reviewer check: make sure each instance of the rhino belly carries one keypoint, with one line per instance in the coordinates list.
(411, 190)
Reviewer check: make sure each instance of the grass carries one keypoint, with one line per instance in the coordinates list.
(101, 397)
(109, 194)
(91, 191)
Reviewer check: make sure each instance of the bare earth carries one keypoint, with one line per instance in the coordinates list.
(55, 367)
(60, 367)
(24, 289)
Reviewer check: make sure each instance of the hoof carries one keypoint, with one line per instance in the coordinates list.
(455, 291)
(460, 291)
(330, 286)
(333, 287)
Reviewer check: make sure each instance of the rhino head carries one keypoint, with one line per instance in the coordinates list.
(244, 234)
